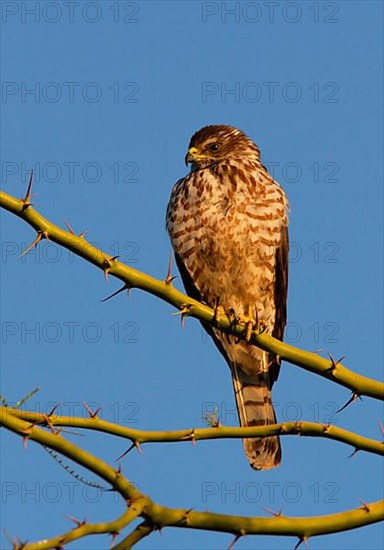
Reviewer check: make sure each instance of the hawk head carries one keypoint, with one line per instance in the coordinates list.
(213, 144)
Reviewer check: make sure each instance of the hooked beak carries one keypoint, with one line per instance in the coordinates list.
(190, 156)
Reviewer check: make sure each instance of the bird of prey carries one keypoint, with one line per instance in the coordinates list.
(227, 220)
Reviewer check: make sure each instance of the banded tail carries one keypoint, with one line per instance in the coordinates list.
(254, 405)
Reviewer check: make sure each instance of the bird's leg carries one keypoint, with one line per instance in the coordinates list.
(249, 321)
(218, 310)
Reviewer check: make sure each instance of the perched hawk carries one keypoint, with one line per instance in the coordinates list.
(227, 220)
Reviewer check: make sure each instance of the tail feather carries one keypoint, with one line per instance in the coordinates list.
(254, 405)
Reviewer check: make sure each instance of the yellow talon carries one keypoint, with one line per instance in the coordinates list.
(218, 312)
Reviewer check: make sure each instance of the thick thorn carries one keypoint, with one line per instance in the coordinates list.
(125, 453)
(184, 312)
(137, 445)
(90, 413)
(365, 506)
(185, 516)
(190, 437)
(53, 410)
(18, 544)
(77, 521)
(351, 400)
(40, 235)
(334, 364)
(27, 199)
(113, 535)
(273, 513)
(237, 537)
(168, 279)
(108, 262)
(125, 287)
(50, 425)
(354, 453)
(300, 542)
(70, 229)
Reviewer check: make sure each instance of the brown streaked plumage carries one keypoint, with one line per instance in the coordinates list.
(228, 220)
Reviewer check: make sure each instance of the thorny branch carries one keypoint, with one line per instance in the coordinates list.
(132, 278)
(30, 426)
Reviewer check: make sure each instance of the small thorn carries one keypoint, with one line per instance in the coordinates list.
(184, 312)
(89, 411)
(77, 521)
(364, 506)
(190, 437)
(69, 227)
(354, 452)
(168, 279)
(237, 537)
(28, 195)
(113, 535)
(352, 399)
(137, 445)
(107, 265)
(334, 364)
(276, 514)
(298, 428)
(53, 410)
(50, 425)
(326, 427)
(301, 541)
(125, 287)
(18, 544)
(185, 516)
(126, 452)
(83, 233)
(40, 235)
(106, 268)
(381, 428)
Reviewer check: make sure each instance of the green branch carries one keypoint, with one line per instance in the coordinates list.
(82, 530)
(54, 440)
(311, 429)
(157, 517)
(303, 528)
(132, 278)
(139, 533)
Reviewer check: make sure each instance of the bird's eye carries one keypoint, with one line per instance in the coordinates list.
(213, 146)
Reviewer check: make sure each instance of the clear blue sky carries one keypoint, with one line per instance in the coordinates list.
(101, 98)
